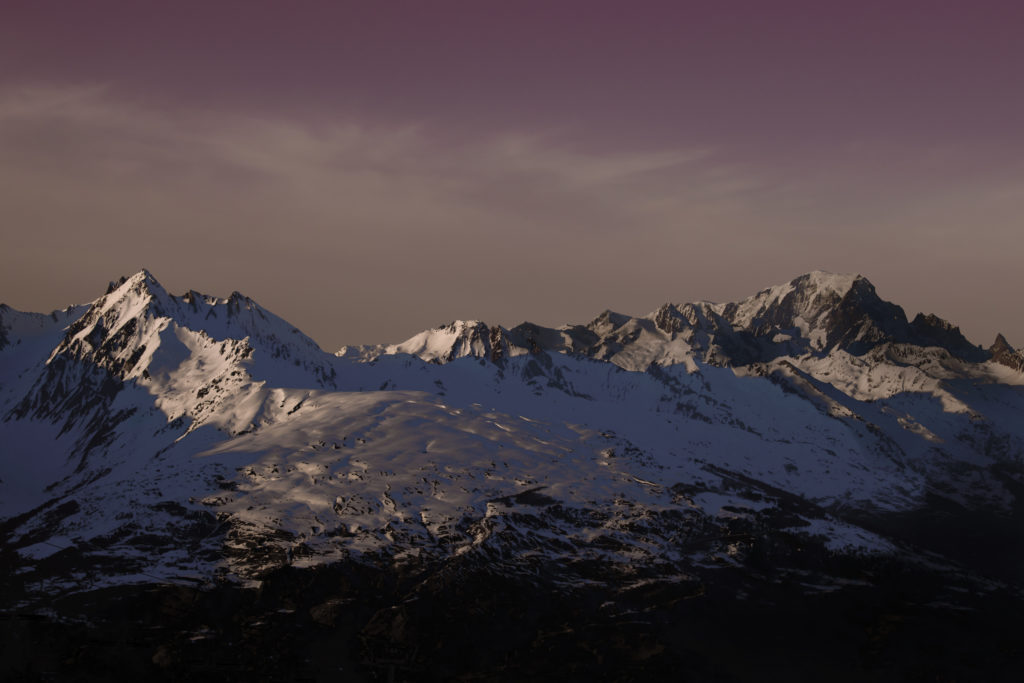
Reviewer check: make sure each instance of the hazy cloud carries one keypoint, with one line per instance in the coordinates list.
(361, 233)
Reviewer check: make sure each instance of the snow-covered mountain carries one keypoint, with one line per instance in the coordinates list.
(158, 439)
(817, 314)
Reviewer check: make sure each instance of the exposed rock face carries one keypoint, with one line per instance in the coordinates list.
(1004, 354)
(4, 312)
(931, 330)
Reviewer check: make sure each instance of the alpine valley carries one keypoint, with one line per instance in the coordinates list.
(803, 485)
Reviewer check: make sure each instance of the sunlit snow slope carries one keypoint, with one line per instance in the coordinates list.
(147, 436)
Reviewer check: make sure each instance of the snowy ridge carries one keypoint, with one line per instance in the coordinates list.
(813, 314)
(175, 346)
(202, 436)
(448, 342)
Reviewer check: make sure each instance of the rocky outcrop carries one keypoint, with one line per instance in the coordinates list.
(1004, 354)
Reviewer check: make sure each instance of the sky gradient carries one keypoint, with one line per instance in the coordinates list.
(370, 169)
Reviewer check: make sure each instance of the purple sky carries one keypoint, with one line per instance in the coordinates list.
(368, 169)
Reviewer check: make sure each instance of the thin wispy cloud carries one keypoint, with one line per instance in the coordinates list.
(557, 231)
(97, 131)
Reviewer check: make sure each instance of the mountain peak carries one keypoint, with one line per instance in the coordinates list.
(143, 275)
(113, 332)
(807, 297)
(141, 285)
(824, 310)
(839, 283)
(1004, 354)
(132, 280)
(608, 320)
(444, 343)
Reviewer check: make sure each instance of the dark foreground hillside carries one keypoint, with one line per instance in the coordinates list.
(789, 611)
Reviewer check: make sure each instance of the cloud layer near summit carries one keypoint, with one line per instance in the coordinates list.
(368, 173)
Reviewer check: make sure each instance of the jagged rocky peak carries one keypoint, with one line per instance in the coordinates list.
(141, 283)
(238, 302)
(931, 330)
(826, 310)
(454, 340)
(106, 329)
(129, 297)
(124, 326)
(1000, 345)
(1004, 354)
(608, 322)
(675, 318)
(816, 313)
(474, 338)
(235, 316)
(142, 288)
(805, 300)
(529, 337)
(935, 324)
(670, 319)
(194, 298)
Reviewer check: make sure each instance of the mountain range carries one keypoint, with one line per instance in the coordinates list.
(562, 502)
